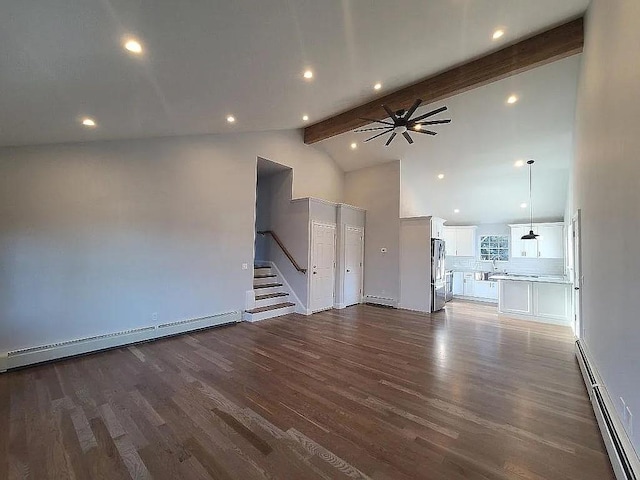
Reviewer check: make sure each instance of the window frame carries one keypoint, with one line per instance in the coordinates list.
(501, 249)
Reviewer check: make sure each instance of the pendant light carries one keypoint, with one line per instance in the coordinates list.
(530, 235)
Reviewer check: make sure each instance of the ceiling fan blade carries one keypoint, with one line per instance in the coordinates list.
(377, 121)
(430, 114)
(393, 135)
(409, 139)
(369, 129)
(413, 109)
(428, 132)
(434, 122)
(391, 114)
(376, 136)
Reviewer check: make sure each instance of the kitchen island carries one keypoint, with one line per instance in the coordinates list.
(543, 298)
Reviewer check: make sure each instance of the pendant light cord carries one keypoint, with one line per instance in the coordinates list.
(530, 162)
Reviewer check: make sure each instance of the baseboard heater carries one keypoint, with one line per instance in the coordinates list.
(44, 353)
(385, 301)
(624, 458)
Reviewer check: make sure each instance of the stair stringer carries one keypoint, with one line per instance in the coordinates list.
(293, 298)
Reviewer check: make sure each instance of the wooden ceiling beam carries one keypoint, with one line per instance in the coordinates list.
(541, 49)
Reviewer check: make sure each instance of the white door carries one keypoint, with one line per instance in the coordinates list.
(353, 249)
(577, 275)
(323, 258)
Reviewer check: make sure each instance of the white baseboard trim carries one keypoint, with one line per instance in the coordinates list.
(624, 458)
(300, 308)
(33, 355)
(385, 301)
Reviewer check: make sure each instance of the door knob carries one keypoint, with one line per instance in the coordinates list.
(315, 273)
(348, 270)
(576, 288)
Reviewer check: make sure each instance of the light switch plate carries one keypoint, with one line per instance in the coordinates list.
(245, 266)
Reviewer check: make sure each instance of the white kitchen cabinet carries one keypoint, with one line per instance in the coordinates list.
(548, 302)
(523, 248)
(449, 242)
(437, 228)
(485, 289)
(516, 297)
(551, 300)
(460, 241)
(551, 241)
(458, 283)
(493, 290)
(468, 285)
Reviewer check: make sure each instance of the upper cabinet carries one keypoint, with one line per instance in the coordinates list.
(549, 244)
(460, 241)
(437, 228)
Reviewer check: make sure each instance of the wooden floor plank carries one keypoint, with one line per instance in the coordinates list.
(363, 392)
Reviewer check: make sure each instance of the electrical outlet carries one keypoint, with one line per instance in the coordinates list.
(154, 316)
(245, 266)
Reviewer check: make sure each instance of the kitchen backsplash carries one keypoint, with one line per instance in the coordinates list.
(529, 266)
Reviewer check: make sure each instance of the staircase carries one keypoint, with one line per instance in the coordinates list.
(271, 299)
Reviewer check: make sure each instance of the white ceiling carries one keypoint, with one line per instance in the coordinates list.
(477, 151)
(62, 59)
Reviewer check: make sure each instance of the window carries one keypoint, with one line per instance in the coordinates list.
(494, 247)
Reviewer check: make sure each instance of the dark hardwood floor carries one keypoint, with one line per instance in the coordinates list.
(365, 392)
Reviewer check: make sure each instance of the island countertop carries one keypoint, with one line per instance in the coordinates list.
(532, 278)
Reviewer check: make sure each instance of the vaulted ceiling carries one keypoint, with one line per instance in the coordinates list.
(477, 152)
(62, 60)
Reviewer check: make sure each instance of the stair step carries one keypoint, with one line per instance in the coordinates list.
(265, 276)
(271, 307)
(271, 295)
(267, 285)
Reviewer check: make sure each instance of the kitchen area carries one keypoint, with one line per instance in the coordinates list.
(525, 278)
(488, 263)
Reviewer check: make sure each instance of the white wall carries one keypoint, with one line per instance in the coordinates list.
(415, 264)
(94, 238)
(377, 189)
(607, 190)
(290, 221)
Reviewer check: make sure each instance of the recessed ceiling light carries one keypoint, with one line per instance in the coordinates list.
(523, 205)
(305, 118)
(231, 119)
(512, 99)
(308, 74)
(133, 46)
(519, 163)
(498, 33)
(457, 210)
(88, 122)
(441, 176)
(377, 86)
(354, 145)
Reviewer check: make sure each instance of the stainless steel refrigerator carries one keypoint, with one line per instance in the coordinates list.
(438, 276)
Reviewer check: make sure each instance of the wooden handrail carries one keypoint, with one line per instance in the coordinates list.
(284, 249)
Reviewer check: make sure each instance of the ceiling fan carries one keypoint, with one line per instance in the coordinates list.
(403, 123)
